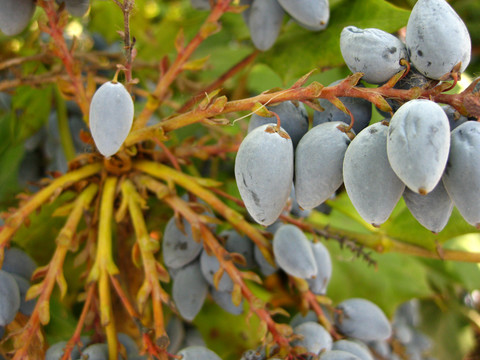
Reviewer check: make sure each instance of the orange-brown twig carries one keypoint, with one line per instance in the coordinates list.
(61, 50)
(75, 339)
(209, 27)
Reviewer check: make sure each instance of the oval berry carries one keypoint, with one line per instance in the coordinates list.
(264, 172)
(318, 163)
(15, 15)
(437, 39)
(111, 117)
(373, 52)
(418, 144)
(462, 174)
(372, 186)
(293, 252)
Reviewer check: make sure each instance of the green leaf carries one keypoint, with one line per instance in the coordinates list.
(261, 78)
(42, 230)
(446, 274)
(407, 4)
(33, 107)
(7, 131)
(404, 227)
(401, 225)
(226, 334)
(344, 216)
(10, 159)
(388, 286)
(298, 51)
(62, 323)
(451, 333)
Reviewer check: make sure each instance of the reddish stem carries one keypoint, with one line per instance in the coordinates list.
(218, 82)
(466, 103)
(176, 68)
(75, 339)
(315, 306)
(63, 52)
(168, 153)
(221, 254)
(228, 196)
(124, 299)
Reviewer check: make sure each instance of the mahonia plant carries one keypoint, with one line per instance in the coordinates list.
(155, 217)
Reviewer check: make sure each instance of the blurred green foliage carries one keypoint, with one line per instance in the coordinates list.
(155, 25)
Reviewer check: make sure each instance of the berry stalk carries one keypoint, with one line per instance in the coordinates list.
(17, 218)
(54, 272)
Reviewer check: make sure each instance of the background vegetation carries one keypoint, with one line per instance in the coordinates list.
(392, 264)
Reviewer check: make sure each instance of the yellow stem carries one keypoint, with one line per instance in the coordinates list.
(15, 220)
(382, 243)
(148, 247)
(41, 312)
(190, 183)
(104, 265)
(103, 259)
(106, 313)
(443, 254)
(82, 202)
